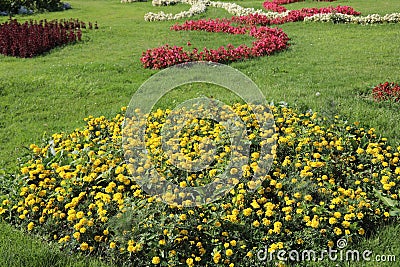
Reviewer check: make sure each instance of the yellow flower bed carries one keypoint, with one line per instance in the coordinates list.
(330, 179)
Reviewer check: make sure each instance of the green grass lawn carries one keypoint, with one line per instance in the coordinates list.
(54, 92)
(19, 250)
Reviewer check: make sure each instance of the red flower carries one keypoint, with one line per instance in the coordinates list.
(268, 40)
(386, 91)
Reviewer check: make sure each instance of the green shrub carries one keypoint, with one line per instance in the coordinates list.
(37, 5)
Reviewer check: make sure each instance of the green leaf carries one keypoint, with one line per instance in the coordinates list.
(394, 213)
(387, 201)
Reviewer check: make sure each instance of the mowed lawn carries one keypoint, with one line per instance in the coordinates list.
(329, 68)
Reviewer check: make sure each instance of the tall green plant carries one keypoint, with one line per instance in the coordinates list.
(12, 6)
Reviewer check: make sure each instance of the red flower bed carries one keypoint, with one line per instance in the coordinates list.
(33, 38)
(386, 91)
(268, 41)
(275, 5)
(293, 16)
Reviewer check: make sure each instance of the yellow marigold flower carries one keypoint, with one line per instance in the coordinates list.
(233, 171)
(256, 223)
(255, 205)
(31, 225)
(266, 222)
(184, 232)
(84, 246)
(229, 252)
(247, 212)
(182, 217)
(315, 222)
(317, 155)
(277, 225)
(155, 260)
(2, 210)
(308, 198)
(346, 224)
(216, 257)
(79, 214)
(337, 214)
(189, 262)
(77, 235)
(337, 231)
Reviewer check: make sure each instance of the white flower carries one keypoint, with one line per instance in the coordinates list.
(200, 6)
(343, 18)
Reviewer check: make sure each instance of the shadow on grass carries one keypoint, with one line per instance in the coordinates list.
(18, 250)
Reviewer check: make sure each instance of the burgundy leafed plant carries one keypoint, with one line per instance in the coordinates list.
(33, 38)
(386, 91)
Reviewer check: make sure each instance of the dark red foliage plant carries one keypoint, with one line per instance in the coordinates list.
(32, 38)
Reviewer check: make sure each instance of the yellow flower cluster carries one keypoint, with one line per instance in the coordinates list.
(327, 181)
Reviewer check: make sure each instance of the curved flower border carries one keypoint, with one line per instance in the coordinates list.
(197, 7)
(280, 12)
(200, 6)
(268, 41)
(345, 18)
(275, 5)
(248, 19)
